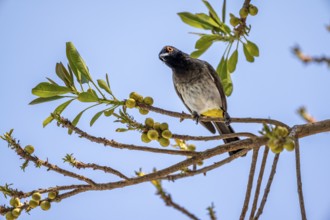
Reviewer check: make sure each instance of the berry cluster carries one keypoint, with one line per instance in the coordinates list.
(134, 98)
(156, 131)
(243, 13)
(33, 203)
(278, 139)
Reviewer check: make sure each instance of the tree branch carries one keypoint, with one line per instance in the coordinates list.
(19, 150)
(259, 181)
(183, 116)
(309, 59)
(167, 198)
(299, 182)
(66, 123)
(267, 189)
(250, 183)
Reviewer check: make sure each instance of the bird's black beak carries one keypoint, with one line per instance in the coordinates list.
(163, 54)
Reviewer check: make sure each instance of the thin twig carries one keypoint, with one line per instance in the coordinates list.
(206, 169)
(267, 189)
(309, 59)
(203, 118)
(66, 123)
(299, 182)
(166, 197)
(259, 181)
(210, 138)
(106, 169)
(19, 150)
(250, 183)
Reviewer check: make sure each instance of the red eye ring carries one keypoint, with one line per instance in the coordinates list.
(169, 49)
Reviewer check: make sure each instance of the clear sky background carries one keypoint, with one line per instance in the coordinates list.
(123, 38)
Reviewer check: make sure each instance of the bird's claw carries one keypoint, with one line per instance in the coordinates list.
(195, 117)
(227, 118)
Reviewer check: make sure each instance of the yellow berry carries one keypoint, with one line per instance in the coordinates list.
(289, 145)
(52, 195)
(152, 134)
(281, 131)
(164, 142)
(9, 216)
(136, 96)
(143, 111)
(148, 100)
(243, 12)
(29, 149)
(166, 134)
(33, 203)
(130, 103)
(15, 202)
(191, 147)
(200, 163)
(157, 125)
(278, 149)
(16, 212)
(45, 205)
(149, 122)
(234, 21)
(144, 138)
(163, 126)
(253, 10)
(36, 196)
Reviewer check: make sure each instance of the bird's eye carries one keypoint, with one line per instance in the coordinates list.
(169, 49)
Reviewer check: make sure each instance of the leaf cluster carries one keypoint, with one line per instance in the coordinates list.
(220, 31)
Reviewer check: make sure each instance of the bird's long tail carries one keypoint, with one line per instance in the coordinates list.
(227, 129)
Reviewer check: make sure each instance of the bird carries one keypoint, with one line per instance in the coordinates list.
(199, 87)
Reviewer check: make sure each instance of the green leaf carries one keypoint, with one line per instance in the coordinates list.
(48, 99)
(228, 86)
(46, 89)
(224, 11)
(109, 112)
(224, 75)
(232, 61)
(247, 54)
(59, 109)
(63, 74)
(207, 19)
(121, 129)
(87, 97)
(205, 41)
(194, 21)
(76, 120)
(103, 85)
(198, 53)
(95, 117)
(252, 48)
(213, 13)
(71, 75)
(77, 63)
(225, 28)
(107, 78)
(51, 81)
(48, 120)
(93, 92)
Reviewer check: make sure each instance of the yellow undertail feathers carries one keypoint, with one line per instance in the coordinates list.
(215, 113)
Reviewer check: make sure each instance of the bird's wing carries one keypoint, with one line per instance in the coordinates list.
(208, 125)
(217, 82)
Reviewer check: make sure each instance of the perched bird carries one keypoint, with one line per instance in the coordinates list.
(199, 87)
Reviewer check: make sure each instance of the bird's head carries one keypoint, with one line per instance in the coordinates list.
(173, 57)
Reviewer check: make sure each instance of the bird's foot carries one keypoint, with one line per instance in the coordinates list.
(195, 116)
(227, 118)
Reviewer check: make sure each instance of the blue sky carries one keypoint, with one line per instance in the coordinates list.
(123, 39)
